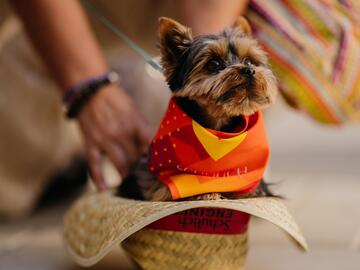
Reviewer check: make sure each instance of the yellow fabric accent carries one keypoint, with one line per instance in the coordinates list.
(187, 184)
(183, 182)
(214, 146)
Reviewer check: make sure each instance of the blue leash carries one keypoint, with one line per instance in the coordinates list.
(91, 9)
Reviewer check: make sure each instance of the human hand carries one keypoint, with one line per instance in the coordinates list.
(111, 126)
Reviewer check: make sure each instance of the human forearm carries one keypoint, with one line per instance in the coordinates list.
(211, 16)
(61, 34)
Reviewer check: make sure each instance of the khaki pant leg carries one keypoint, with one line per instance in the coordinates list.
(35, 138)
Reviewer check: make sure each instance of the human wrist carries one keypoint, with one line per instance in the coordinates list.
(78, 95)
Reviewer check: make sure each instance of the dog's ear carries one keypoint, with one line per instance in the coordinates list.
(174, 39)
(243, 25)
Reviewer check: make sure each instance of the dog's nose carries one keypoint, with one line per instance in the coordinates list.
(247, 71)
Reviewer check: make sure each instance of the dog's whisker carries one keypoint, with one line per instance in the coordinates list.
(229, 93)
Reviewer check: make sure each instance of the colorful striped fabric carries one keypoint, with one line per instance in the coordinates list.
(314, 49)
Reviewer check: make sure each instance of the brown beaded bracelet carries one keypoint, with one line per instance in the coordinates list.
(77, 96)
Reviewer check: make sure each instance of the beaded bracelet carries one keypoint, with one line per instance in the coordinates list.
(77, 96)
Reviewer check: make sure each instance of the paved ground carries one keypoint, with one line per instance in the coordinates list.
(317, 169)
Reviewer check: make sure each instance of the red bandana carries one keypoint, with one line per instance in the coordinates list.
(192, 160)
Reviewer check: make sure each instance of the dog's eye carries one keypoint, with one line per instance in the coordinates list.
(214, 65)
(247, 61)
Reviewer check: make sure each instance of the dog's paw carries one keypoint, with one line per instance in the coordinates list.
(208, 197)
(159, 192)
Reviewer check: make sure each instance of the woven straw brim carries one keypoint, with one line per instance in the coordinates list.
(98, 222)
(156, 249)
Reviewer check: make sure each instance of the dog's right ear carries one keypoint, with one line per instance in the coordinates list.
(174, 40)
(243, 25)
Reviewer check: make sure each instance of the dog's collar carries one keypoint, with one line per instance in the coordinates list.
(192, 160)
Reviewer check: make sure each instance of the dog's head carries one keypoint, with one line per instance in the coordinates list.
(227, 71)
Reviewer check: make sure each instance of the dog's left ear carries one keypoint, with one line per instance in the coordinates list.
(174, 40)
(243, 25)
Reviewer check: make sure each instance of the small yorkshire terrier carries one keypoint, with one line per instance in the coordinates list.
(215, 79)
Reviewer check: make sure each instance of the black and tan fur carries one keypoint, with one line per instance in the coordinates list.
(216, 78)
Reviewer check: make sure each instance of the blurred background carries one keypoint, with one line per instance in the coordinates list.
(315, 148)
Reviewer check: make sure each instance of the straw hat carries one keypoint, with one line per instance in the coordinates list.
(99, 222)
